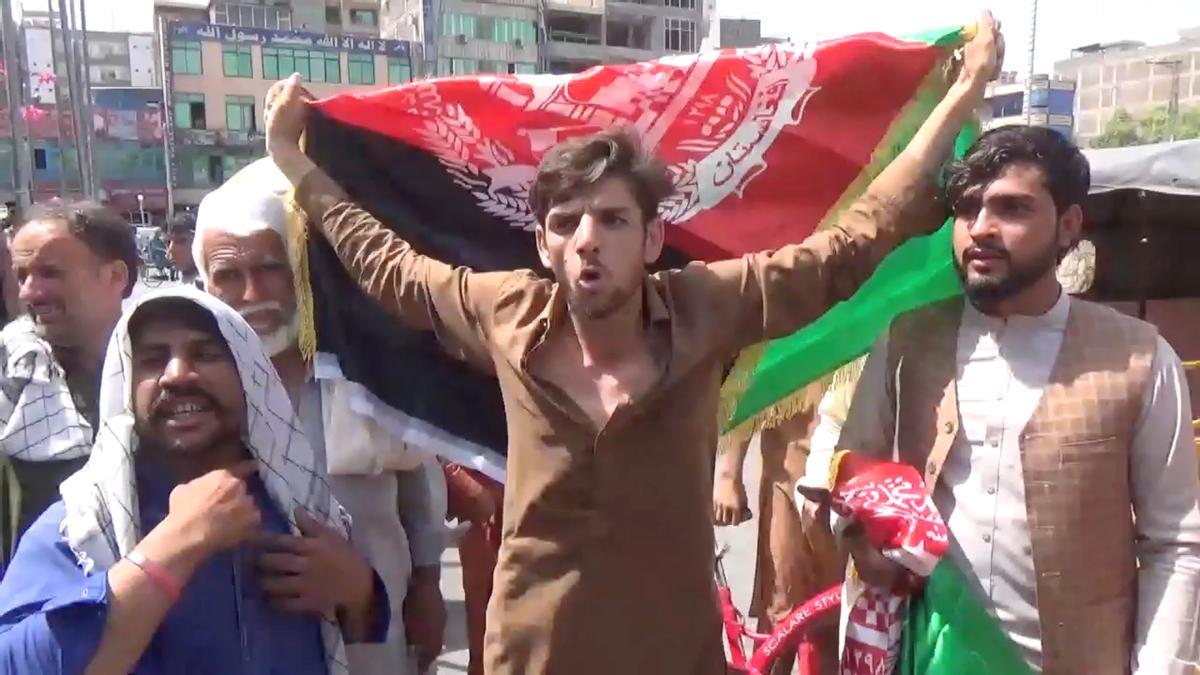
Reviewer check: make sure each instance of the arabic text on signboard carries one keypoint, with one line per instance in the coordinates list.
(289, 38)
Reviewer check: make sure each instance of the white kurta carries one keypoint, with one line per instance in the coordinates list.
(1003, 367)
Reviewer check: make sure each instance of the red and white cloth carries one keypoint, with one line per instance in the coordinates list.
(898, 515)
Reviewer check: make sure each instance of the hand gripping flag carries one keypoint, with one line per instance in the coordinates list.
(932, 623)
(765, 145)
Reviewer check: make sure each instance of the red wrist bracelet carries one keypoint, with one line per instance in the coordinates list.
(160, 576)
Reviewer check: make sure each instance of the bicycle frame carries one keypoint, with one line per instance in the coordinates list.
(786, 634)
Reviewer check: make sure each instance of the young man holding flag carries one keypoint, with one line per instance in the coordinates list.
(610, 376)
(1055, 433)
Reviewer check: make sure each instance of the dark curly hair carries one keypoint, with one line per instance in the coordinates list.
(578, 162)
(100, 228)
(1066, 171)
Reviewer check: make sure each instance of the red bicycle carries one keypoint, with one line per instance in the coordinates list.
(767, 647)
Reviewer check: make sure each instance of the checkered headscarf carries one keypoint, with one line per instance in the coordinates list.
(39, 421)
(102, 524)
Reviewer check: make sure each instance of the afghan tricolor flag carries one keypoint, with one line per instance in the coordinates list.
(766, 145)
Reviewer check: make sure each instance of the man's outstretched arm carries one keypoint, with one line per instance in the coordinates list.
(775, 294)
(422, 292)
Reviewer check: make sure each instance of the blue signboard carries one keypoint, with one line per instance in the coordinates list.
(287, 38)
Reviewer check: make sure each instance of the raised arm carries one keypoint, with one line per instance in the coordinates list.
(422, 292)
(775, 294)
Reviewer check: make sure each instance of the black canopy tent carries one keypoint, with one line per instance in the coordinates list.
(1143, 216)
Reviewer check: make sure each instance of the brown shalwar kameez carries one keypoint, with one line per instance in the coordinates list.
(606, 562)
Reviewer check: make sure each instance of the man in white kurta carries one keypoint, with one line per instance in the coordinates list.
(1004, 361)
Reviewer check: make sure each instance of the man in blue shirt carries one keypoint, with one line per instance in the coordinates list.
(201, 535)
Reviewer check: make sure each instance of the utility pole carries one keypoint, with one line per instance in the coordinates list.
(168, 110)
(1173, 105)
(1033, 12)
(13, 75)
(80, 110)
(58, 99)
(85, 101)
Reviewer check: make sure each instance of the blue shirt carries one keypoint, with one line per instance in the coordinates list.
(52, 614)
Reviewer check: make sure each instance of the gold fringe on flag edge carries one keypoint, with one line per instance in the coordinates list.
(297, 246)
(902, 129)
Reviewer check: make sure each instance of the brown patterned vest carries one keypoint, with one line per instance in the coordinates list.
(1075, 464)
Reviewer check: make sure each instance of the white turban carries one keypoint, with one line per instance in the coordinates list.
(253, 200)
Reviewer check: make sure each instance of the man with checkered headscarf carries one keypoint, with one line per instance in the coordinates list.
(201, 535)
(75, 262)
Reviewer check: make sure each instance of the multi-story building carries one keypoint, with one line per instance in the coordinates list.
(584, 33)
(216, 75)
(1052, 103)
(461, 37)
(336, 17)
(736, 33)
(125, 116)
(1131, 76)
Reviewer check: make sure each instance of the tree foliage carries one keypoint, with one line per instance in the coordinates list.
(1124, 129)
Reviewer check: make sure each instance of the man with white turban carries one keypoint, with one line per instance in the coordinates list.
(201, 535)
(242, 255)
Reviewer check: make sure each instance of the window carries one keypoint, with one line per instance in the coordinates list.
(459, 24)
(360, 68)
(524, 68)
(189, 111)
(511, 30)
(237, 61)
(239, 113)
(680, 35)
(313, 65)
(107, 50)
(108, 74)
(213, 170)
(333, 16)
(186, 58)
(252, 16)
(681, 4)
(1007, 105)
(231, 164)
(363, 17)
(39, 159)
(447, 67)
(399, 70)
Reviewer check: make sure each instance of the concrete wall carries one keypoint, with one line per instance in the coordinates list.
(1122, 79)
(481, 47)
(740, 33)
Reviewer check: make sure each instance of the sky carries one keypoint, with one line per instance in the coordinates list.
(1061, 26)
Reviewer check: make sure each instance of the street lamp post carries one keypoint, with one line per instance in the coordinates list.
(142, 207)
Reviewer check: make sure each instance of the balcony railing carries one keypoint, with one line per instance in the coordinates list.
(591, 6)
(572, 37)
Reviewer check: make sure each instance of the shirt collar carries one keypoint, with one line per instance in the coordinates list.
(657, 311)
(1055, 319)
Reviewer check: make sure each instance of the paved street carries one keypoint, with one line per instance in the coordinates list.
(739, 566)
(142, 288)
